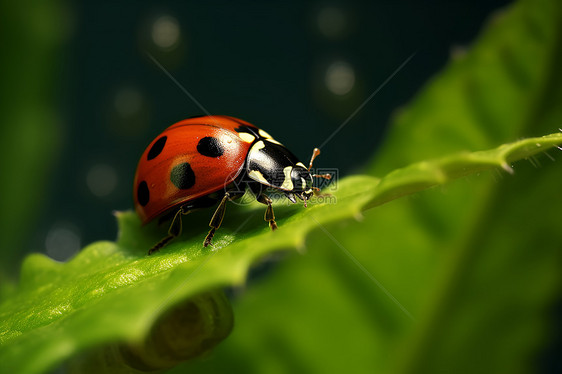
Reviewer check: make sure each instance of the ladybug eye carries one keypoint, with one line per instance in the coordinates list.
(302, 180)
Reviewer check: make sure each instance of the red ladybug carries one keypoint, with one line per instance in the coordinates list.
(200, 161)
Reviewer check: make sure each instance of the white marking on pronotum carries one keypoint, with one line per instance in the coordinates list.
(248, 138)
(264, 134)
(287, 183)
(257, 176)
(303, 183)
(253, 154)
(301, 164)
(259, 145)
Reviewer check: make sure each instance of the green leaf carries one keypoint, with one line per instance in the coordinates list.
(476, 263)
(475, 281)
(113, 292)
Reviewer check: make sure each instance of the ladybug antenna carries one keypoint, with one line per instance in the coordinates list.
(315, 154)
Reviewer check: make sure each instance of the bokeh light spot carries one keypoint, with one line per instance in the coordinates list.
(340, 78)
(332, 22)
(62, 241)
(128, 102)
(101, 180)
(166, 32)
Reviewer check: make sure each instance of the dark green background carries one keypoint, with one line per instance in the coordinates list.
(260, 61)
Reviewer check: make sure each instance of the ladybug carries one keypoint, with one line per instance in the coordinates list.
(201, 161)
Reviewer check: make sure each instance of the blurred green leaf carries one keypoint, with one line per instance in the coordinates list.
(113, 292)
(32, 35)
(476, 262)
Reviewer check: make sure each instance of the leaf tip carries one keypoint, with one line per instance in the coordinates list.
(505, 166)
(117, 213)
(358, 216)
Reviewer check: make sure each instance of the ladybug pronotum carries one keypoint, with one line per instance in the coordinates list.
(201, 161)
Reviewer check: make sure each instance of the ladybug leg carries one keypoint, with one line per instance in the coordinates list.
(269, 216)
(173, 231)
(318, 194)
(325, 176)
(217, 219)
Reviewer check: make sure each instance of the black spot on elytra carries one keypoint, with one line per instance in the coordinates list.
(157, 148)
(182, 176)
(143, 195)
(210, 147)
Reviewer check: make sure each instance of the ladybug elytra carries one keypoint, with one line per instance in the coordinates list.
(200, 161)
